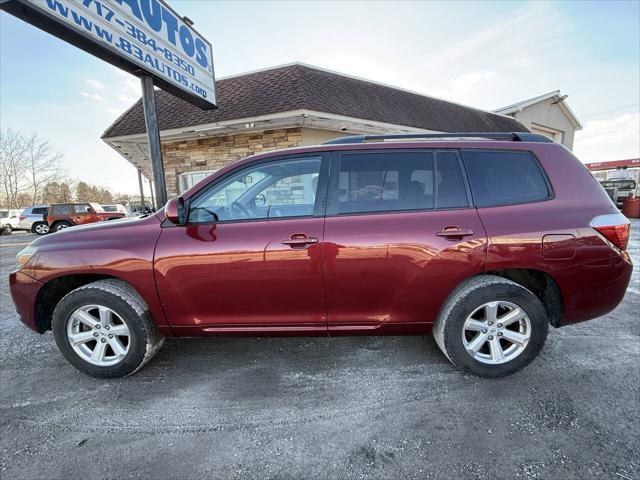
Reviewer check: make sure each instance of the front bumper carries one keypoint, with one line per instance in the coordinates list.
(24, 292)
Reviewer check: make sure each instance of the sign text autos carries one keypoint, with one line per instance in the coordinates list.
(145, 32)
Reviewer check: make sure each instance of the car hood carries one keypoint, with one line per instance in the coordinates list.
(116, 228)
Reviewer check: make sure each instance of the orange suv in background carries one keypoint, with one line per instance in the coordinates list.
(65, 215)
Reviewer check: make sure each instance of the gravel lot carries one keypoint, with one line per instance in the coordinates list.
(354, 407)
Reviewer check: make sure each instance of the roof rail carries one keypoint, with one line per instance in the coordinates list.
(505, 136)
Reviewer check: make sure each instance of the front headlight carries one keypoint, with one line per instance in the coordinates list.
(24, 256)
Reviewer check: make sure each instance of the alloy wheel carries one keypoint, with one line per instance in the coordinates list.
(496, 332)
(42, 229)
(98, 335)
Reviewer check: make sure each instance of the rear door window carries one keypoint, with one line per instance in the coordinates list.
(385, 181)
(504, 177)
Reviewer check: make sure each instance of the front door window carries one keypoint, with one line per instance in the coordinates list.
(279, 189)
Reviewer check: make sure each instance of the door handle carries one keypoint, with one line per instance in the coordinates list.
(454, 232)
(299, 240)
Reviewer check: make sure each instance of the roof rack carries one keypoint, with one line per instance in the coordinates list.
(505, 136)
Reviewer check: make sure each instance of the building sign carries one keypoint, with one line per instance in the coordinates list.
(137, 35)
(613, 164)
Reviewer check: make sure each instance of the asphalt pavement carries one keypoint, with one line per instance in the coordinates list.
(350, 407)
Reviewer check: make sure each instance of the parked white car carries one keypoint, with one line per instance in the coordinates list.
(115, 208)
(9, 221)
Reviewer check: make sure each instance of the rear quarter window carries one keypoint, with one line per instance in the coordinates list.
(505, 177)
(61, 210)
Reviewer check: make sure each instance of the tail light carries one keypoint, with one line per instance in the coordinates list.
(615, 227)
(23, 218)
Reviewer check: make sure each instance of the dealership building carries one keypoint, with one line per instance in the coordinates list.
(296, 105)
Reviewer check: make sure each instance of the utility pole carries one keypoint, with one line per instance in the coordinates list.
(140, 185)
(153, 200)
(153, 137)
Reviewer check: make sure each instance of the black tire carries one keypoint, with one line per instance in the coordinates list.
(7, 230)
(40, 228)
(61, 226)
(465, 300)
(144, 337)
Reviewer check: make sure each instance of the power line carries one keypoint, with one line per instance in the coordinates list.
(610, 110)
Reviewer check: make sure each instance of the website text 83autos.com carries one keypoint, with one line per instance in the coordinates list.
(92, 15)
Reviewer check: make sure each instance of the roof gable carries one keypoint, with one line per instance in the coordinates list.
(556, 96)
(297, 86)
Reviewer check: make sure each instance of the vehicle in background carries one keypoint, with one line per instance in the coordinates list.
(65, 215)
(9, 221)
(110, 213)
(137, 208)
(619, 178)
(486, 240)
(619, 189)
(116, 208)
(34, 219)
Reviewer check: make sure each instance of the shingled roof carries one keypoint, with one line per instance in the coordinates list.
(298, 86)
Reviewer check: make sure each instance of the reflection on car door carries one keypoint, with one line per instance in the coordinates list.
(400, 234)
(250, 255)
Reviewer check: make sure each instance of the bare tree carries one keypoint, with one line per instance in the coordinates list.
(57, 192)
(13, 166)
(43, 165)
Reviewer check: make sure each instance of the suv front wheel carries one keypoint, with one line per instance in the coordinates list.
(104, 329)
(491, 326)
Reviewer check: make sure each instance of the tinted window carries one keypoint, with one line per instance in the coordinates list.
(504, 178)
(61, 210)
(285, 188)
(378, 182)
(451, 192)
(39, 210)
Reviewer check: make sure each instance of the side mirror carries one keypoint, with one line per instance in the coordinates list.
(174, 211)
(260, 200)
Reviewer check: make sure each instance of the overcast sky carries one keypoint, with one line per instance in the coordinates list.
(486, 55)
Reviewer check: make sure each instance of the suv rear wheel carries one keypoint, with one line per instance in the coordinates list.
(491, 326)
(41, 228)
(104, 329)
(61, 225)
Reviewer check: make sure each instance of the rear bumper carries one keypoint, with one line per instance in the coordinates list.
(24, 291)
(601, 287)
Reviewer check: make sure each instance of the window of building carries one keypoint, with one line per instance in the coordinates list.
(285, 188)
(504, 178)
(387, 181)
(188, 180)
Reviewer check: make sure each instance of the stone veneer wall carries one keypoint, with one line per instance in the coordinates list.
(212, 153)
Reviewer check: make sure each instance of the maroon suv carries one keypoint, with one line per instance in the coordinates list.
(486, 239)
